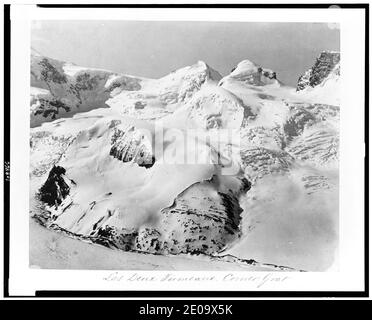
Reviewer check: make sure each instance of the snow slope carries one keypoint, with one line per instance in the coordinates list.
(191, 163)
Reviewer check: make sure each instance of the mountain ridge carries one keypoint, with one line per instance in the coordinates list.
(93, 170)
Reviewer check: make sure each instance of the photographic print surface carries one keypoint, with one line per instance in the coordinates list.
(184, 145)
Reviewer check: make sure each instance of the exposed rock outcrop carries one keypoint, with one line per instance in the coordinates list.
(55, 189)
(327, 62)
(130, 144)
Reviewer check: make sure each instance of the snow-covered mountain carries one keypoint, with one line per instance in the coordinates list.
(321, 81)
(191, 163)
(61, 89)
(251, 73)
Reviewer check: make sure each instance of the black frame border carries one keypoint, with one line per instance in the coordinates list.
(183, 294)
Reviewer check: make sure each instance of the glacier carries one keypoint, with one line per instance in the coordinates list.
(239, 170)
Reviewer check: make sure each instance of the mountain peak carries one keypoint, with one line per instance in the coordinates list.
(202, 64)
(251, 73)
(324, 65)
(200, 70)
(211, 73)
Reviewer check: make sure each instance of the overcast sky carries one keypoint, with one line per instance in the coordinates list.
(153, 49)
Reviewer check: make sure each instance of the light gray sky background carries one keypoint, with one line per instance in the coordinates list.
(153, 49)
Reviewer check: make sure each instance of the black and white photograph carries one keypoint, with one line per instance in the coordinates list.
(178, 152)
(189, 147)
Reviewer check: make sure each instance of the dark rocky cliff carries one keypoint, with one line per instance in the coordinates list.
(324, 65)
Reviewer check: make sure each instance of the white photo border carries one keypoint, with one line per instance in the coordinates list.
(350, 279)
